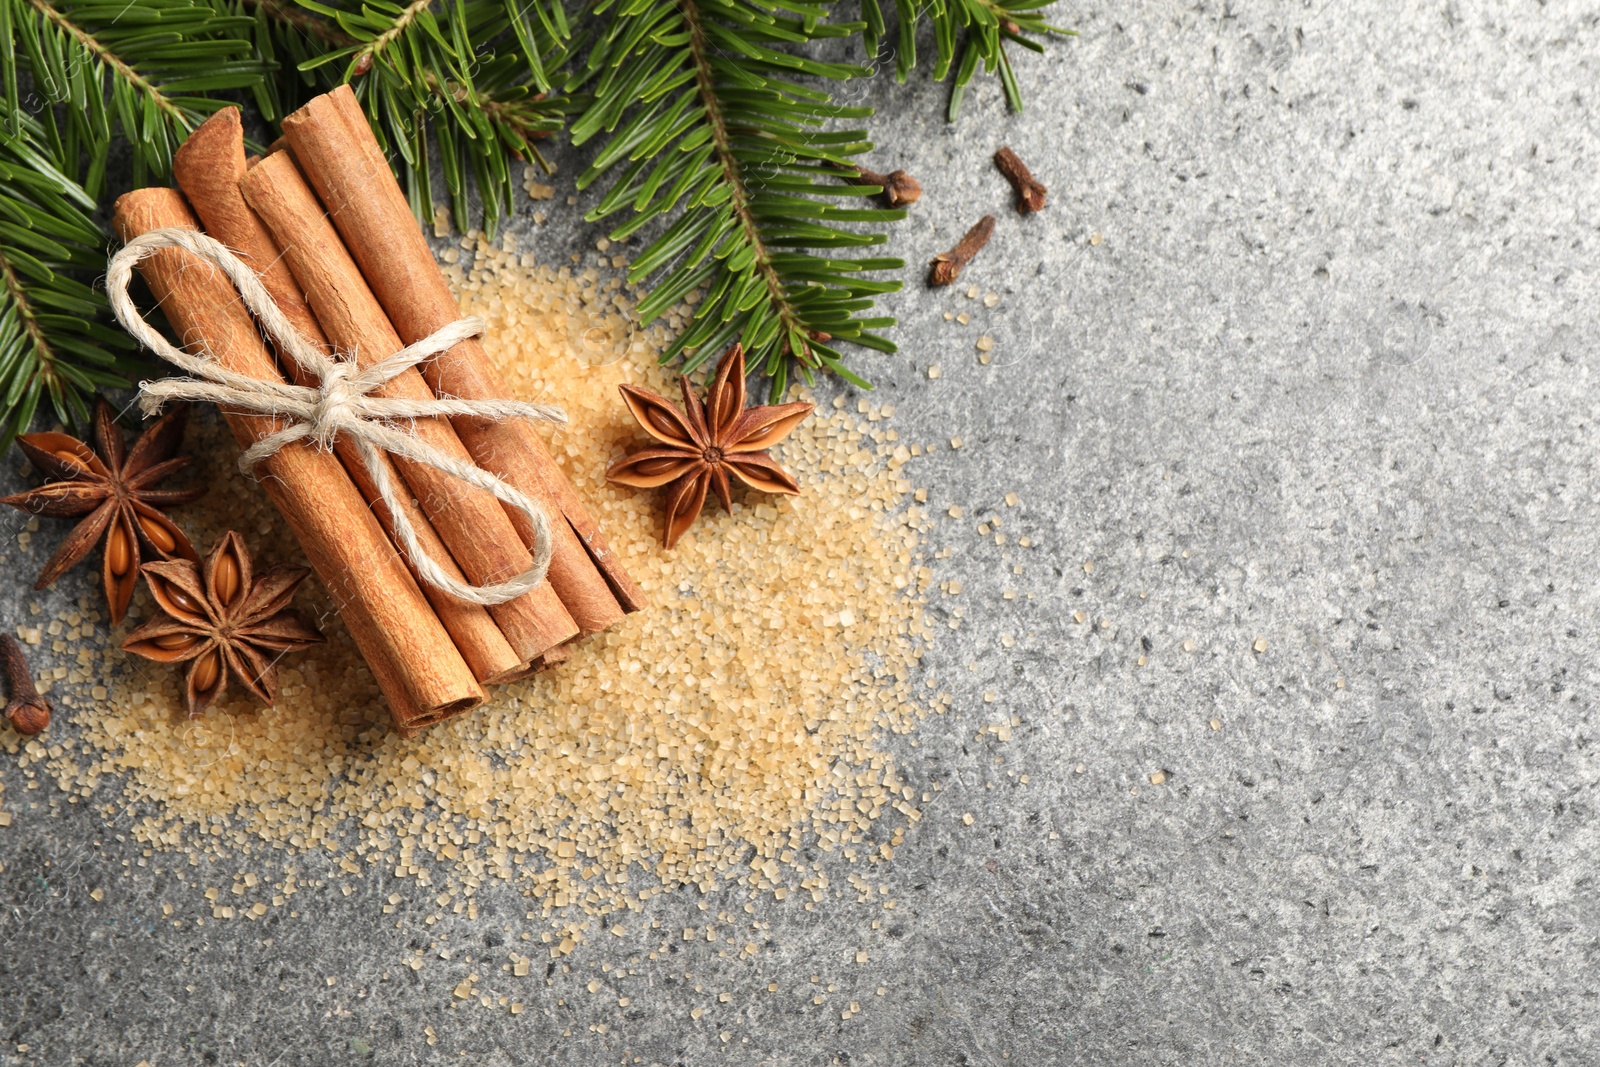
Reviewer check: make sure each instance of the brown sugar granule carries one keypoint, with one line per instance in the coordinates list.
(709, 739)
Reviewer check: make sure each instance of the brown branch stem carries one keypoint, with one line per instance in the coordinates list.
(739, 197)
(369, 51)
(309, 24)
(18, 294)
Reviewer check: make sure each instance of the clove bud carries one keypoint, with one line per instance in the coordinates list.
(899, 188)
(1030, 193)
(947, 265)
(27, 711)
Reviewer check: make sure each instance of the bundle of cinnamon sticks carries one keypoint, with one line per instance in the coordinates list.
(324, 224)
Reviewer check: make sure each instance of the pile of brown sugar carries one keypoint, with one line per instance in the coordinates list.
(720, 736)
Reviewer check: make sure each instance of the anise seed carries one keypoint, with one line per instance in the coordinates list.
(171, 642)
(119, 553)
(227, 578)
(180, 598)
(158, 534)
(717, 442)
(207, 669)
(71, 459)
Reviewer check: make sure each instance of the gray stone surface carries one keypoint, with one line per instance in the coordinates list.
(1301, 350)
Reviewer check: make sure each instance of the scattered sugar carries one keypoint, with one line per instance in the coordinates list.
(721, 736)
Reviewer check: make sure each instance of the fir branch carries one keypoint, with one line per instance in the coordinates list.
(105, 68)
(20, 332)
(288, 38)
(51, 344)
(102, 54)
(717, 137)
(966, 33)
(698, 99)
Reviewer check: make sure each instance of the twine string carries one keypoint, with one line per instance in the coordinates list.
(339, 405)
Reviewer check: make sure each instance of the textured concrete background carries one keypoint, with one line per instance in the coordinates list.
(1302, 350)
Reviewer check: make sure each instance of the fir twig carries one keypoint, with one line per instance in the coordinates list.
(112, 68)
(51, 346)
(966, 33)
(698, 99)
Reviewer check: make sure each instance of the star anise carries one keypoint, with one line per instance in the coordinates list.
(703, 443)
(221, 619)
(111, 488)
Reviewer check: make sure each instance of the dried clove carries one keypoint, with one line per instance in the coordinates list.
(899, 188)
(947, 265)
(1030, 193)
(27, 711)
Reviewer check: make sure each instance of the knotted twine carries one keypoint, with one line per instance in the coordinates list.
(340, 405)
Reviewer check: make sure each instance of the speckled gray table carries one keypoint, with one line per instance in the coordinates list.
(1301, 351)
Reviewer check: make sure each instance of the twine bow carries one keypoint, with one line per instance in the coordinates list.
(340, 405)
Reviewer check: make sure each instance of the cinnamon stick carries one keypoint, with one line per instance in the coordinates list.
(477, 529)
(411, 656)
(334, 145)
(207, 168)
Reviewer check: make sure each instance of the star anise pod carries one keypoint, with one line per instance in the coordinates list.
(701, 444)
(112, 490)
(221, 619)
